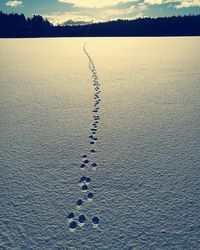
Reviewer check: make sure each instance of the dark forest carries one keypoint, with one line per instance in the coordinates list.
(18, 26)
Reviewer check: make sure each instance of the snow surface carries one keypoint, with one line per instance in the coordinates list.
(147, 183)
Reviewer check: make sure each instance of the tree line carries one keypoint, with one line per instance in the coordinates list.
(17, 25)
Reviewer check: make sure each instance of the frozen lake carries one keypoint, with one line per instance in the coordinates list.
(147, 183)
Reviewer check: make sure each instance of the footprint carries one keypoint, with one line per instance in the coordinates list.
(95, 221)
(86, 161)
(70, 216)
(82, 181)
(79, 203)
(90, 196)
(88, 180)
(84, 188)
(83, 178)
(81, 220)
(82, 166)
(73, 226)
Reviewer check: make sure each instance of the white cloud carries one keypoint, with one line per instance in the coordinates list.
(153, 2)
(95, 3)
(179, 3)
(99, 15)
(76, 17)
(121, 13)
(92, 11)
(112, 3)
(14, 3)
(126, 13)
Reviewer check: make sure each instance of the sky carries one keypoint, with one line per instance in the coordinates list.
(89, 11)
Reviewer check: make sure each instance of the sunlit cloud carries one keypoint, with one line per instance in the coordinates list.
(154, 2)
(126, 13)
(95, 3)
(14, 3)
(90, 11)
(103, 10)
(94, 15)
(179, 3)
(71, 18)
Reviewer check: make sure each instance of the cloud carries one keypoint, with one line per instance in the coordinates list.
(14, 3)
(153, 2)
(106, 3)
(94, 15)
(71, 18)
(93, 11)
(187, 3)
(179, 3)
(95, 3)
(125, 13)
(72, 22)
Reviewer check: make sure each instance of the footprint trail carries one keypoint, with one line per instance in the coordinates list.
(88, 162)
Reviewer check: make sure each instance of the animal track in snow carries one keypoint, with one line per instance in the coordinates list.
(84, 182)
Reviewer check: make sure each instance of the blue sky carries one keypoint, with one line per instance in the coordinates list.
(83, 11)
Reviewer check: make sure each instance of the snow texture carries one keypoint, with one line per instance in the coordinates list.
(147, 182)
